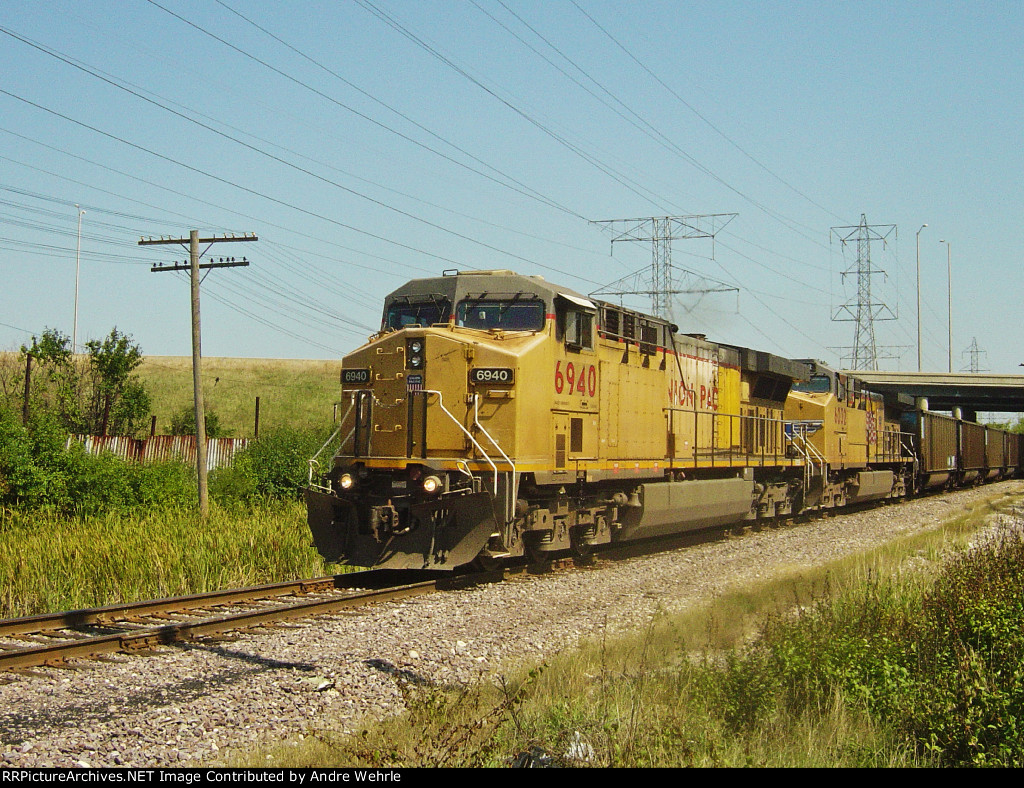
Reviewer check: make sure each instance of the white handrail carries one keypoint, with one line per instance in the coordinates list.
(440, 404)
(312, 460)
(478, 425)
(810, 454)
(509, 504)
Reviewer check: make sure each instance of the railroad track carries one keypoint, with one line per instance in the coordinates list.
(51, 639)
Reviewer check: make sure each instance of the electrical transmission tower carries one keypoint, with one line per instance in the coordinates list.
(658, 281)
(865, 310)
(975, 354)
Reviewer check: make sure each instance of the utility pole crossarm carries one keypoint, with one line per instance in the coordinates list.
(188, 267)
(214, 240)
(669, 228)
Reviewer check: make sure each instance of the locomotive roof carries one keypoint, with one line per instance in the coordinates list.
(769, 364)
(476, 284)
(498, 283)
(503, 283)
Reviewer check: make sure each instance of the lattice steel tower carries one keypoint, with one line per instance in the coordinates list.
(865, 311)
(975, 353)
(659, 280)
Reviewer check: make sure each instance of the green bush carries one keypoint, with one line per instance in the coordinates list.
(943, 670)
(275, 466)
(971, 712)
(33, 465)
(184, 422)
(103, 483)
(39, 471)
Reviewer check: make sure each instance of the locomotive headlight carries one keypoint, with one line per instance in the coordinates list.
(431, 485)
(346, 481)
(415, 353)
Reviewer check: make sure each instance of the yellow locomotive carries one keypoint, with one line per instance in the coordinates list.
(851, 442)
(496, 414)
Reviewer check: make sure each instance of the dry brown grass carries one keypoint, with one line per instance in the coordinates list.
(293, 393)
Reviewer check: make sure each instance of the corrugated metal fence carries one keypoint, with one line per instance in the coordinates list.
(220, 452)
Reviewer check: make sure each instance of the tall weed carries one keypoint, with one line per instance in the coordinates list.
(50, 563)
(943, 669)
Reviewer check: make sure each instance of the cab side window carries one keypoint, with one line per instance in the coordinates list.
(579, 329)
(575, 322)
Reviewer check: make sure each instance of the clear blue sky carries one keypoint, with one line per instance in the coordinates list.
(367, 142)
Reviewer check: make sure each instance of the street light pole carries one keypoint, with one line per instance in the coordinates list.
(919, 297)
(949, 286)
(78, 260)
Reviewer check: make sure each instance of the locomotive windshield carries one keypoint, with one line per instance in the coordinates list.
(818, 384)
(427, 313)
(505, 315)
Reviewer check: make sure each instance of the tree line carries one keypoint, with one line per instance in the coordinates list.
(93, 393)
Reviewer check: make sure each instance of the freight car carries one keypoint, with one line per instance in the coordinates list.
(497, 415)
(951, 452)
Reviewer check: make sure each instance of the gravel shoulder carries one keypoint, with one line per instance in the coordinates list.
(186, 705)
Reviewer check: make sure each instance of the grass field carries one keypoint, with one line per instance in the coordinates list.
(50, 563)
(293, 393)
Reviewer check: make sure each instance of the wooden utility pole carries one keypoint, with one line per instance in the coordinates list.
(193, 267)
(28, 389)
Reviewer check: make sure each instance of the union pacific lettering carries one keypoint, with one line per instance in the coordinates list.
(680, 395)
(709, 398)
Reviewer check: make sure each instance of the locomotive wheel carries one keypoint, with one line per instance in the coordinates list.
(578, 546)
(534, 553)
(486, 563)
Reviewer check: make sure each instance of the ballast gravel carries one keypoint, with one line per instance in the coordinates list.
(191, 704)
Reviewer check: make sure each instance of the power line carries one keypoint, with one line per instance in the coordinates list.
(523, 188)
(639, 122)
(620, 178)
(699, 114)
(267, 154)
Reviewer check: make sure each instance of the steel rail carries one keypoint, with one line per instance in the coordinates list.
(136, 635)
(98, 616)
(131, 639)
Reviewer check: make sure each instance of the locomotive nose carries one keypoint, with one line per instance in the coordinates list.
(437, 534)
